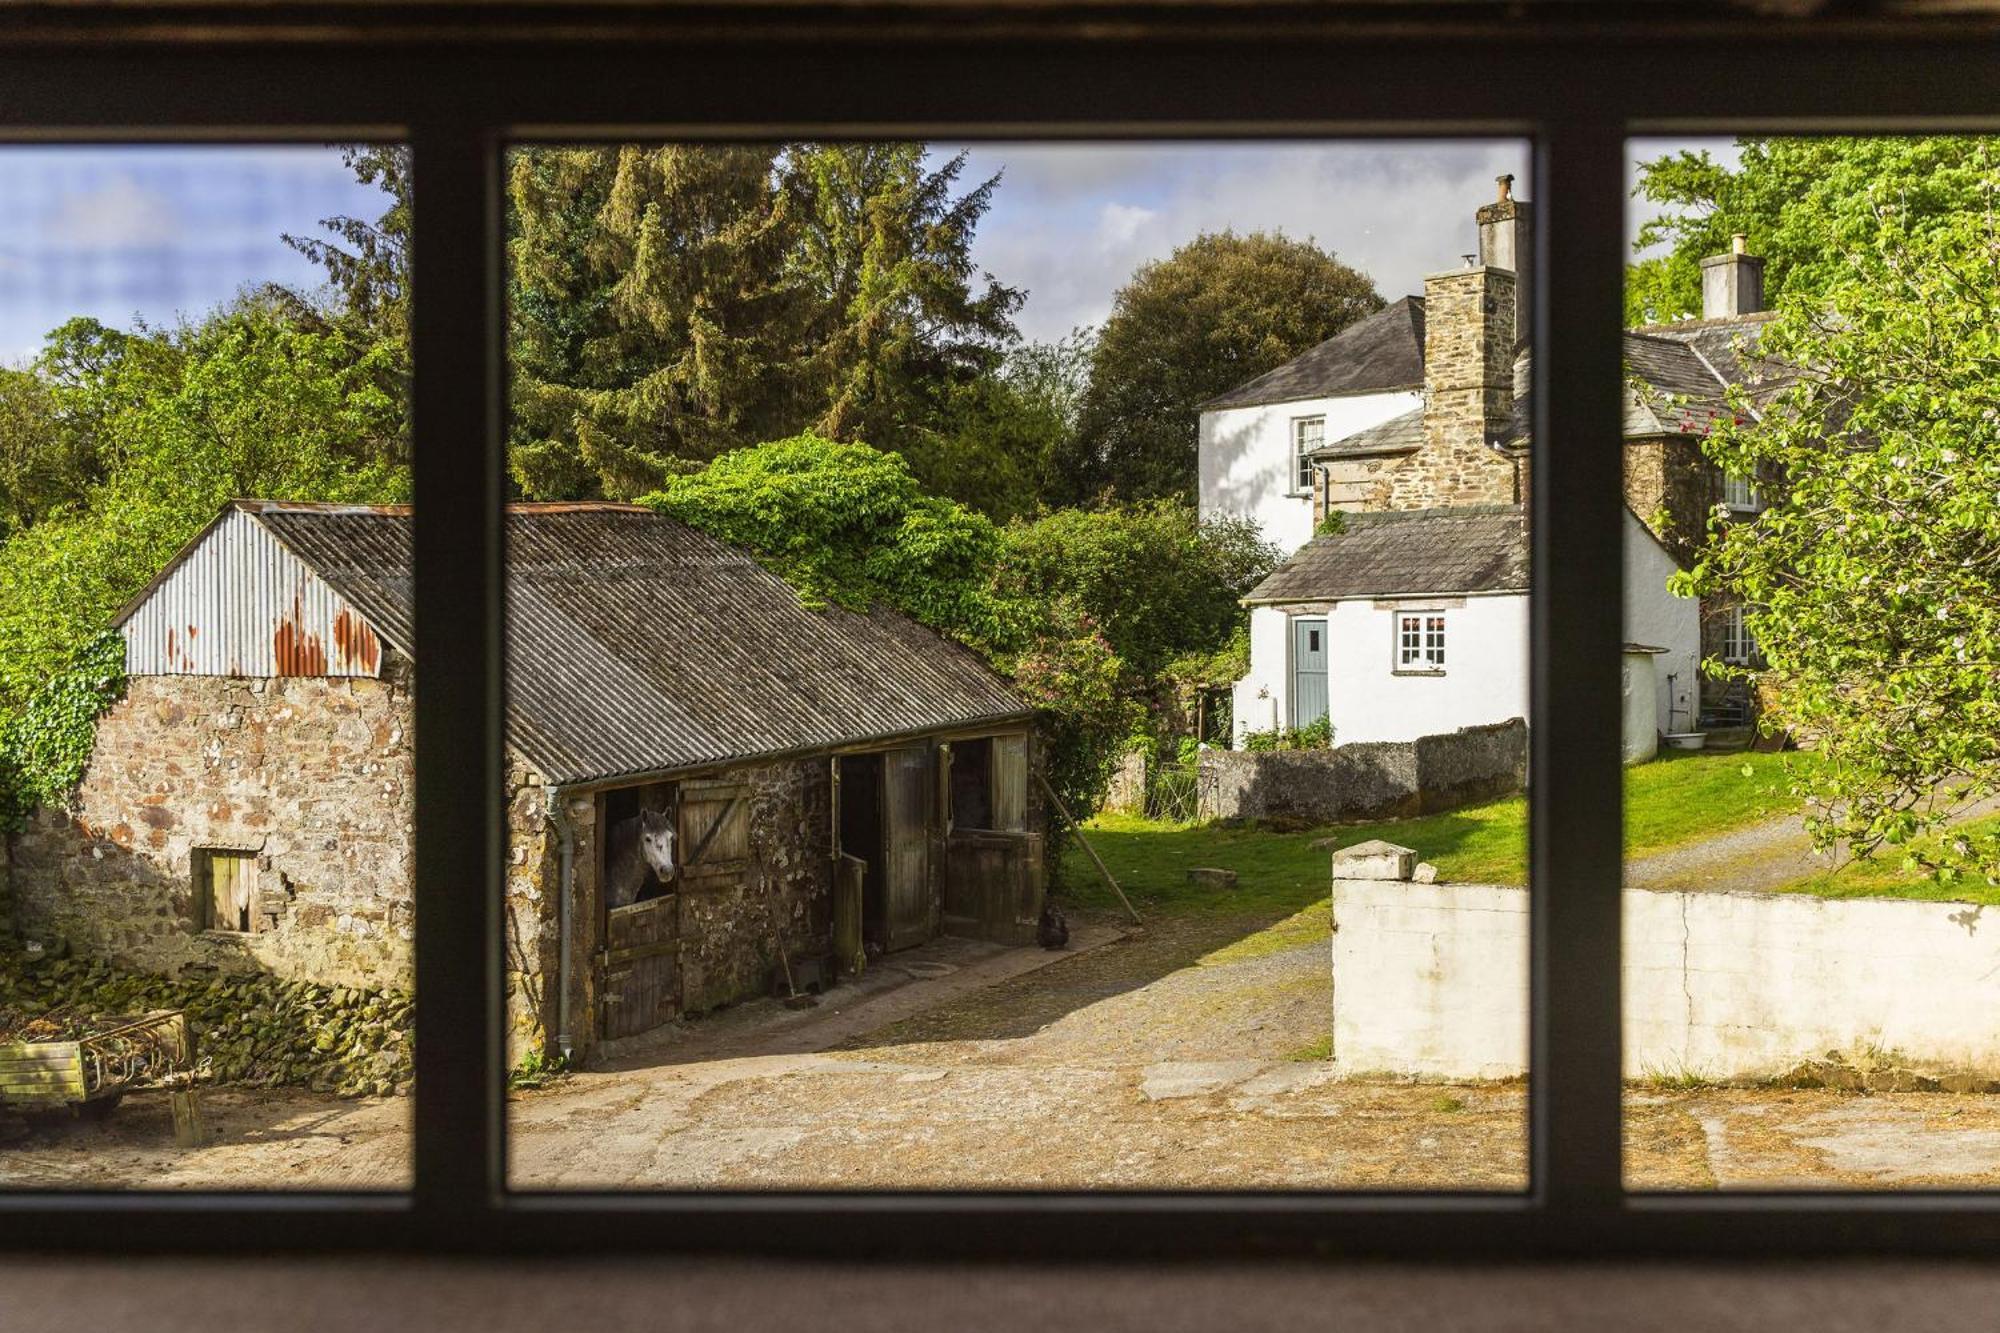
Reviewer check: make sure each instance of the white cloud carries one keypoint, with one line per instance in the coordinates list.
(1071, 222)
(116, 214)
(1120, 224)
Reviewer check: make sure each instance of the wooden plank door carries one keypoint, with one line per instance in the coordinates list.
(641, 944)
(906, 805)
(1309, 698)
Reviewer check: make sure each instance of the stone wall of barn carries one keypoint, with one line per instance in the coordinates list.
(312, 775)
(730, 931)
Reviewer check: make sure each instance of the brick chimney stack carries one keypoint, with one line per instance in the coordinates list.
(1507, 240)
(1732, 284)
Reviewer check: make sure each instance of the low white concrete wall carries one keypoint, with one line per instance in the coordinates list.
(1432, 980)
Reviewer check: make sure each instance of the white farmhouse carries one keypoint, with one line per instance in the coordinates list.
(1412, 427)
(1415, 623)
(1256, 439)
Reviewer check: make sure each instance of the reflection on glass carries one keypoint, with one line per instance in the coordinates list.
(1811, 844)
(204, 699)
(881, 515)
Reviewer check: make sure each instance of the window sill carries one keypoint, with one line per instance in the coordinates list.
(1417, 671)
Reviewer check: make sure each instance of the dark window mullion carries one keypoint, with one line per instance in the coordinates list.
(1576, 785)
(455, 410)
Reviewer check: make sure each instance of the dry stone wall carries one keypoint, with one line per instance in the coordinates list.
(1367, 779)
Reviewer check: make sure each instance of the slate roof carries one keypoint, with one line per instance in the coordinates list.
(1411, 553)
(1398, 434)
(637, 645)
(1385, 351)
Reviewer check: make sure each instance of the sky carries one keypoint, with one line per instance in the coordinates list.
(156, 233)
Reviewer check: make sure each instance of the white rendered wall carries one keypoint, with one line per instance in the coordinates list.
(1485, 677)
(1656, 617)
(1432, 980)
(1486, 658)
(1246, 458)
(1262, 701)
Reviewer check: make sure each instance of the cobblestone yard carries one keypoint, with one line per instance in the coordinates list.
(1189, 1054)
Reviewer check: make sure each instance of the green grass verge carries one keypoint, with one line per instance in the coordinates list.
(1885, 875)
(1670, 801)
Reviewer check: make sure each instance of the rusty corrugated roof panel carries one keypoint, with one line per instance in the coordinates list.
(237, 602)
(637, 644)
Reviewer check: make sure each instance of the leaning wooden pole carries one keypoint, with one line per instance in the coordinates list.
(1095, 859)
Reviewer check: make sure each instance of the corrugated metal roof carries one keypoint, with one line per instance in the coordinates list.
(1382, 352)
(1414, 553)
(237, 602)
(637, 644)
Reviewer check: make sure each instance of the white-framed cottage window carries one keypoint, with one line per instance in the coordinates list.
(1420, 641)
(1739, 648)
(1739, 494)
(1308, 434)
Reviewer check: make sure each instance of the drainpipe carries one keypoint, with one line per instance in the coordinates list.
(566, 840)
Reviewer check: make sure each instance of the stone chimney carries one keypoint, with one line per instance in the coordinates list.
(1732, 284)
(1469, 333)
(1507, 240)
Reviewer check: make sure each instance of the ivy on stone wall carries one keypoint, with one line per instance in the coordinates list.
(45, 747)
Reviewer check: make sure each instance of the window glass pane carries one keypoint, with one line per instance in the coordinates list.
(1811, 608)
(879, 509)
(206, 930)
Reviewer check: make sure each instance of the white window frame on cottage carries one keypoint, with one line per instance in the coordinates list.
(1302, 480)
(1419, 643)
(1739, 645)
(1739, 494)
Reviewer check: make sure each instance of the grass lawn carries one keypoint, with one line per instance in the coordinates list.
(1883, 876)
(1669, 801)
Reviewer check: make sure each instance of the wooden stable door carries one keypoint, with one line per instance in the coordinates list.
(906, 806)
(641, 947)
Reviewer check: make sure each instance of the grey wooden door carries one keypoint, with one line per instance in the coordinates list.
(1308, 671)
(906, 804)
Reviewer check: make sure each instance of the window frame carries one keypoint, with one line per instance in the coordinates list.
(1302, 471)
(553, 73)
(1427, 657)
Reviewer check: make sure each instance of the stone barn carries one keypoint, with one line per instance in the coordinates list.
(710, 785)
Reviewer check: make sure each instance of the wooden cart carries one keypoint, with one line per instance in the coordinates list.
(90, 1075)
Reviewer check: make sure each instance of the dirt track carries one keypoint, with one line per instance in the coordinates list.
(1178, 1058)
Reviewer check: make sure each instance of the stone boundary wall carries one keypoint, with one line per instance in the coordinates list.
(1367, 779)
(1432, 980)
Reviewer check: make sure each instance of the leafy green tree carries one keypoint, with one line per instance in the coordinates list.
(248, 403)
(1874, 576)
(1220, 310)
(1158, 582)
(1001, 438)
(1804, 204)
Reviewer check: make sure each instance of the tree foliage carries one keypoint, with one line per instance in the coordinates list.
(367, 260)
(1805, 205)
(1220, 310)
(249, 403)
(671, 303)
(1157, 582)
(1874, 577)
